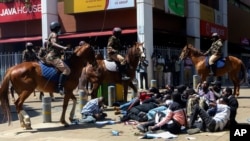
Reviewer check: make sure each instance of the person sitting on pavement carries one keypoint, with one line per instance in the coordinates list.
(143, 95)
(139, 112)
(232, 103)
(93, 111)
(172, 121)
(216, 89)
(212, 124)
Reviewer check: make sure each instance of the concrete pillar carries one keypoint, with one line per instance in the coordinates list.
(193, 21)
(49, 14)
(145, 30)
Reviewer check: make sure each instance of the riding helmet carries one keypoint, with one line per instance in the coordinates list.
(117, 31)
(29, 44)
(215, 35)
(55, 26)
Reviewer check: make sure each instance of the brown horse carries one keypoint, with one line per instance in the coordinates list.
(102, 75)
(233, 66)
(27, 76)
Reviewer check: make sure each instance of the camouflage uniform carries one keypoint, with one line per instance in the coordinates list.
(29, 55)
(215, 50)
(113, 49)
(54, 56)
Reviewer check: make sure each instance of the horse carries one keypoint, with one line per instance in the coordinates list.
(103, 75)
(28, 76)
(230, 64)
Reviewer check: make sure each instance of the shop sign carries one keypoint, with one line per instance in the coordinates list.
(207, 29)
(176, 7)
(80, 6)
(19, 11)
(206, 13)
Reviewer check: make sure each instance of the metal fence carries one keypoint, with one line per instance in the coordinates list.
(13, 58)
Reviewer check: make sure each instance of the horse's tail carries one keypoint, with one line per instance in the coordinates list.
(4, 97)
(243, 74)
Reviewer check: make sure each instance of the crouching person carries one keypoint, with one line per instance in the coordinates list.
(93, 111)
(208, 123)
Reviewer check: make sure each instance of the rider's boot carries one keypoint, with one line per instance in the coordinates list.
(212, 70)
(62, 79)
(123, 69)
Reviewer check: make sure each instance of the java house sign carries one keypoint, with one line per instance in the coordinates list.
(19, 11)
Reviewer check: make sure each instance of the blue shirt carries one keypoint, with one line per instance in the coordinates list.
(91, 108)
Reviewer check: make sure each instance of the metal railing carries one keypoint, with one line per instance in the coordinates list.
(13, 58)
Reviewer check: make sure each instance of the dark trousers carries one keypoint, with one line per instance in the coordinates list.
(207, 121)
(144, 75)
(176, 78)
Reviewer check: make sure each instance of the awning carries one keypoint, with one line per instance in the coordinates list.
(67, 36)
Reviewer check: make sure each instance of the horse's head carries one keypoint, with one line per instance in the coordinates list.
(86, 52)
(185, 51)
(139, 49)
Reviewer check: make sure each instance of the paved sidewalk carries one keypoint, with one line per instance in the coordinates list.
(92, 132)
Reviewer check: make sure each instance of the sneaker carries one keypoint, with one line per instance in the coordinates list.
(193, 131)
(124, 77)
(141, 128)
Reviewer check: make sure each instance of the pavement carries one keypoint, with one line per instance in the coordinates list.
(54, 130)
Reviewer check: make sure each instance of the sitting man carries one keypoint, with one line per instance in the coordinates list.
(93, 111)
(211, 124)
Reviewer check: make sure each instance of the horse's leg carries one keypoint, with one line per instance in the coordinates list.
(12, 92)
(125, 91)
(131, 85)
(67, 96)
(236, 82)
(72, 112)
(94, 90)
(52, 96)
(23, 116)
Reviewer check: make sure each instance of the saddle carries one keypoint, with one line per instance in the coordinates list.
(49, 72)
(112, 65)
(219, 63)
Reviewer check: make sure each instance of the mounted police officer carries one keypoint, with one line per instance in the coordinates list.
(54, 55)
(113, 49)
(216, 52)
(29, 54)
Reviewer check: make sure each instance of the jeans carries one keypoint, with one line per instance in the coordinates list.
(207, 121)
(151, 113)
(125, 106)
(87, 119)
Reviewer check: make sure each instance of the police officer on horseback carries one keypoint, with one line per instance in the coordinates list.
(113, 48)
(29, 54)
(54, 55)
(216, 52)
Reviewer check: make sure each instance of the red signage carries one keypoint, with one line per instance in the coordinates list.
(19, 11)
(207, 29)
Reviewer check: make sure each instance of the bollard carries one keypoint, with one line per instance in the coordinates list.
(83, 99)
(153, 84)
(46, 102)
(195, 81)
(111, 95)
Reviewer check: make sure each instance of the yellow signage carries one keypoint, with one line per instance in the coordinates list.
(206, 13)
(78, 6)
